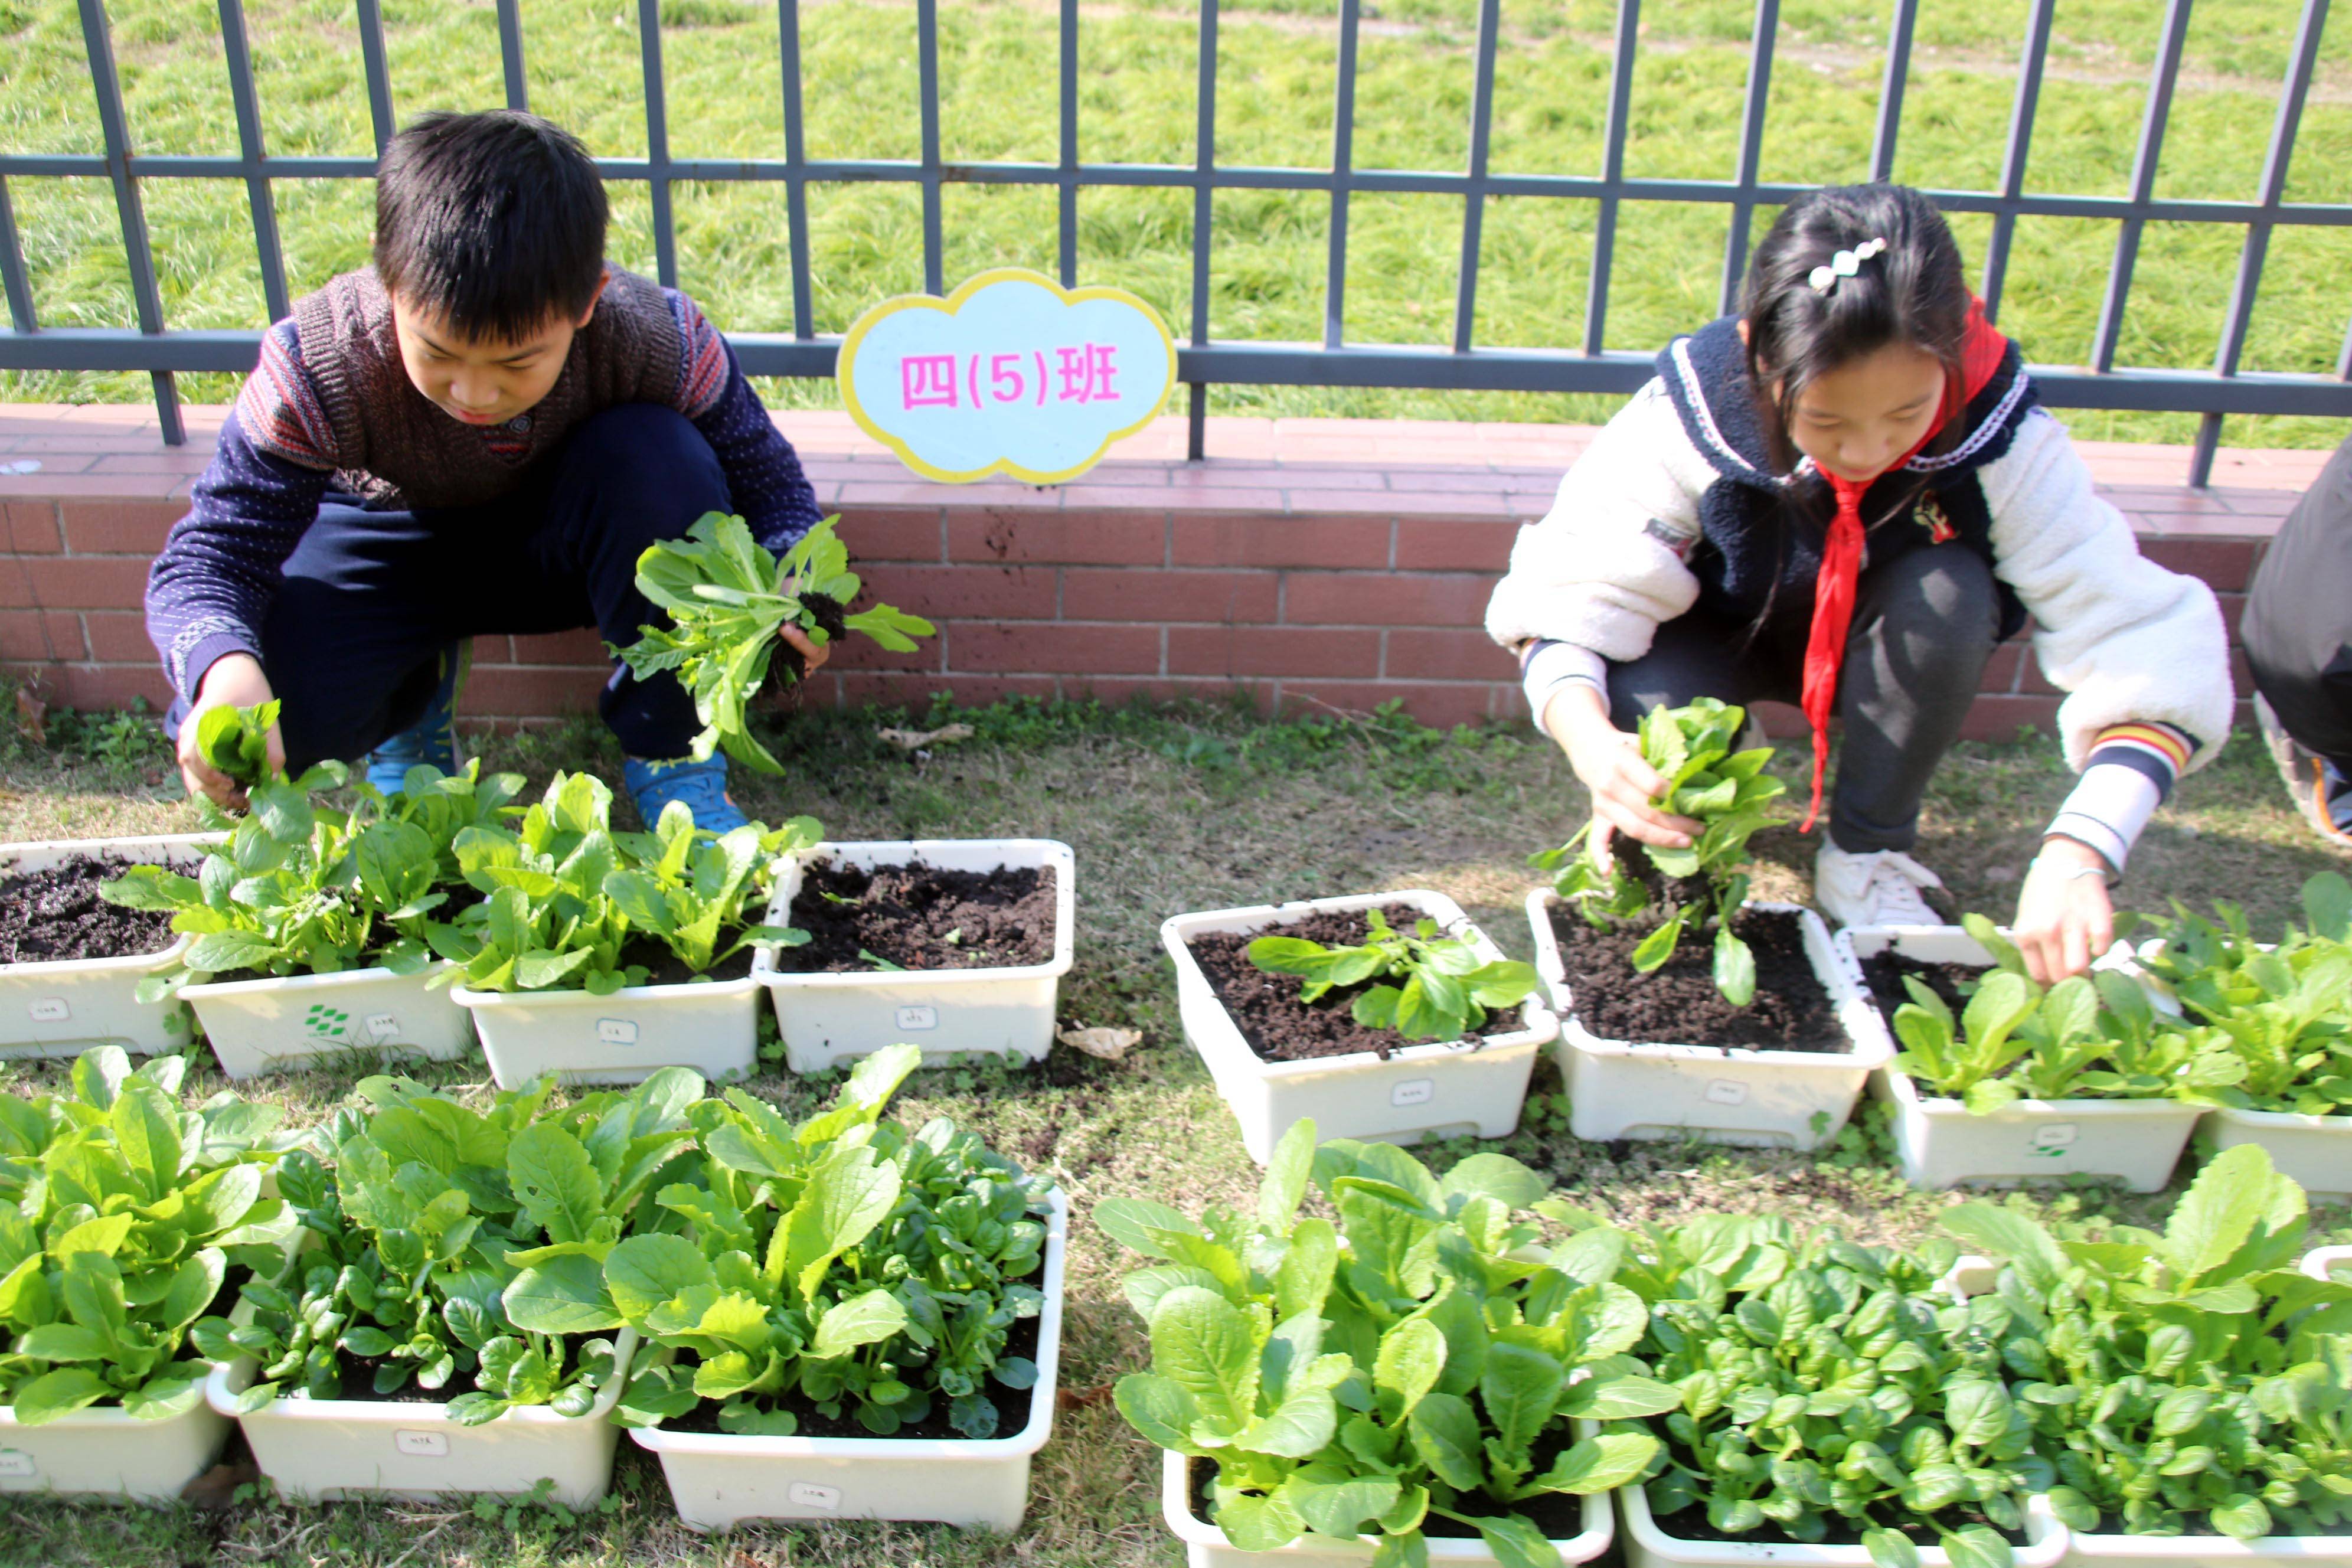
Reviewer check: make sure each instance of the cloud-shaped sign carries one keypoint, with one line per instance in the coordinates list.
(1011, 373)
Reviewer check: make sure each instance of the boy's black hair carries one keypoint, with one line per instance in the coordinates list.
(493, 222)
(1914, 291)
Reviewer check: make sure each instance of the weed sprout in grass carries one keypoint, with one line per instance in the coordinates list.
(727, 598)
(1447, 989)
(1724, 790)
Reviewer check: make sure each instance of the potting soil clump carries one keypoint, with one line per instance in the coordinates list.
(1678, 1003)
(920, 917)
(56, 914)
(1264, 1005)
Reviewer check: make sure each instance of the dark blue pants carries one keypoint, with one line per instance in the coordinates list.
(352, 640)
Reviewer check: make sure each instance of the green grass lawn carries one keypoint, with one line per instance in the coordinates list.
(1167, 811)
(1276, 63)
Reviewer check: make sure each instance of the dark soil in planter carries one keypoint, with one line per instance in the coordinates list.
(49, 916)
(359, 1379)
(904, 915)
(831, 616)
(1884, 973)
(1266, 1007)
(664, 967)
(1677, 1004)
(1691, 1525)
(1013, 1405)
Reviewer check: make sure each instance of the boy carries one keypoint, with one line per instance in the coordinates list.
(2298, 637)
(479, 433)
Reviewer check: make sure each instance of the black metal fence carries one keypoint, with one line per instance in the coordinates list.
(1587, 367)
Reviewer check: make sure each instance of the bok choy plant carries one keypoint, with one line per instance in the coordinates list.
(2088, 1036)
(1723, 789)
(1834, 1389)
(426, 1215)
(728, 597)
(2276, 1024)
(1422, 1360)
(1433, 987)
(2189, 1381)
(843, 1266)
(124, 1219)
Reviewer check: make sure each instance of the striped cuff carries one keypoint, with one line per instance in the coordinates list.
(1545, 667)
(2129, 774)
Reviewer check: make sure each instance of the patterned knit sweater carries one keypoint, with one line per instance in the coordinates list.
(329, 408)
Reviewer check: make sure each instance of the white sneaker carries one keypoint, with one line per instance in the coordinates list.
(1880, 887)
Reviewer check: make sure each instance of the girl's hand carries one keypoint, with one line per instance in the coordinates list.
(235, 680)
(813, 653)
(2065, 919)
(1609, 763)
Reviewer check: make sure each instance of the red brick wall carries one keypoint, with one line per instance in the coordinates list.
(1166, 596)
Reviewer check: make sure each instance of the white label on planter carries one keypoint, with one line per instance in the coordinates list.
(17, 1463)
(919, 1017)
(50, 1010)
(422, 1444)
(381, 1027)
(1727, 1092)
(2054, 1138)
(615, 1032)
(1413, 1091)
(808, 1494)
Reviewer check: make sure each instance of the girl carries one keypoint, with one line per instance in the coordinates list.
(1845, 497)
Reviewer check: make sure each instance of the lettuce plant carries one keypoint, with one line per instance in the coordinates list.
(1446, 990)
(428, 1214)
(2189, 1381)
(2276, 1032)
(1831, 1389)
(727, 599)
(692, 892)
(844, 1265)
(1422, 1358)
(1721, 788)
(123, 1216)
(2088, 1036)
(235, 742)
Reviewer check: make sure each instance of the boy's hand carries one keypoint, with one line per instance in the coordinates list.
(813, 654)
(2065, 918)
(235, 680)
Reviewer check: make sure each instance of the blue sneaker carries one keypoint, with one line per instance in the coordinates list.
(701, 786)
(432, 741)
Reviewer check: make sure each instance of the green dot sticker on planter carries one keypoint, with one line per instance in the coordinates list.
(1011, 373)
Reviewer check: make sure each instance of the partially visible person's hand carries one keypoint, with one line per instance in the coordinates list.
(1608, 762)
(812, 652)
(235, 680)
(2065, 918)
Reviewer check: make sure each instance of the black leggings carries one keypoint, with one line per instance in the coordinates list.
(1923, 628)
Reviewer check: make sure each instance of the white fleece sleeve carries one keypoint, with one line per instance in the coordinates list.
(1606, 563)
(2126, 639)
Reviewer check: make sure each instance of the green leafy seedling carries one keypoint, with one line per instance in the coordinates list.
(1724, 790)
(727, 598)
(1442, 989)
(236, 741)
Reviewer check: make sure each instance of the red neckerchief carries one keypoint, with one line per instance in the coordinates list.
(1981, 348)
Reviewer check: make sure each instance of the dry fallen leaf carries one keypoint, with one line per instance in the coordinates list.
(1108, 1043)
(32, 716)
(916, 740)
(216, 1488)
(1079, 1398)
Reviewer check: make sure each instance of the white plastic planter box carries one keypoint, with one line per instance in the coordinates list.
(2324, 1262)
(285, 1023)
(1416, 1090)
(1205, 1545)
(717, 1480)
(63, 1008)
(827, 1019)
(1648, 1546)
(1939, 1142)
(1790, 1098)
(103, 1452)
(2317, 1151)
(625, 1037)
(322, 1449)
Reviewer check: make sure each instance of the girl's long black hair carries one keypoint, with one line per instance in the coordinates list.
(1913, 291)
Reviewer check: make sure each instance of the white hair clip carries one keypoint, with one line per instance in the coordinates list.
(1844, 264)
